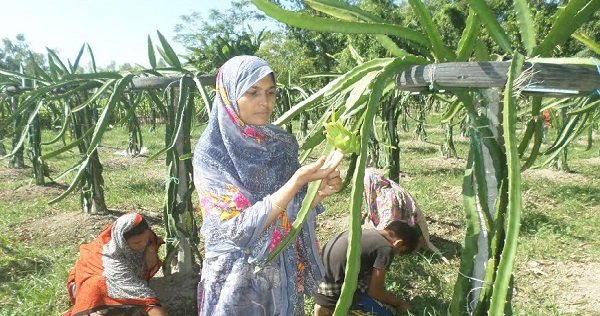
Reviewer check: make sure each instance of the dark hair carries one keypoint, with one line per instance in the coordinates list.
(137, 230)
(408, 234)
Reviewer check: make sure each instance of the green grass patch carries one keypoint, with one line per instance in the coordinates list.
(560, 217)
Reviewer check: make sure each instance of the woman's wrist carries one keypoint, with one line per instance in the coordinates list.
(278, 208)
(296, 182)
(318, 199)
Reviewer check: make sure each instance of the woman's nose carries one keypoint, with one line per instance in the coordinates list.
(263, 99)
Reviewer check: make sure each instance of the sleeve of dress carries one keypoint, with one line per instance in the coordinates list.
(296, 203)
(259, 242)
(248, 229)
(231, 222)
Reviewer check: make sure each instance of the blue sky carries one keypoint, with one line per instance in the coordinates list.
(115, 29)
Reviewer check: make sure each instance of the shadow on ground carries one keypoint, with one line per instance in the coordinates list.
(450, 249)
(18, 262)
(532, 222)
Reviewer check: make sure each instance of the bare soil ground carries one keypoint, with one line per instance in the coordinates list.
(445, 163)
(177, 292)
(31, 193)
(591, 161)
(556, 176)
(575, 285)
(76, 227)
(7, 175)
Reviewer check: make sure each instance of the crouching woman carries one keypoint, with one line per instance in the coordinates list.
(112, 272)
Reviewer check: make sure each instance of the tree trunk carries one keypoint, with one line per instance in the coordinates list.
(374, 150)
(392, 110)
(404, 115)
(303, 128)
(133, 126)
(153, 119)
(16, 161)
(35, 150)
(560, 162)
(2, 148)
(92, 191)
(92, 185)
(420, 132)
(178, 211)
(448, 149)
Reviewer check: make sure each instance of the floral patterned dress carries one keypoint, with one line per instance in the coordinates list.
(236, 169)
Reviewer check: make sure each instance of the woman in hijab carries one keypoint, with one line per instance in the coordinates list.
(251, 187)
(112, 272)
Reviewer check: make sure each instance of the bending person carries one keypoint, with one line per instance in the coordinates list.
(387, 201)
(378, 248)
(112, 272)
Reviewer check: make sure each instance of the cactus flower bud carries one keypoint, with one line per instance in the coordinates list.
(342, 139)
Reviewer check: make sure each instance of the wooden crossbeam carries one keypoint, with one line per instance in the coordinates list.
(141, 83)
(138, 83)
(540, 78)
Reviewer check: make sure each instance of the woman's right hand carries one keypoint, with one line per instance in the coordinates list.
(150, 256)
(310, 172)
(314, 171)
(157, 311)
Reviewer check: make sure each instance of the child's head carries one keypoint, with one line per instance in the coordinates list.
(405, 237)
(138, 236)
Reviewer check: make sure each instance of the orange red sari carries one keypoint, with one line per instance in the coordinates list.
(110, 274)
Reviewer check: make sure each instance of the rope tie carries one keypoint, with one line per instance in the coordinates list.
(432, 76)
(172, 179)
(597, 69)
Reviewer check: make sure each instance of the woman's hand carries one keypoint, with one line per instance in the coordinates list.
(324, 168)
(157, 311)
(150, 256)
(330, 185)
(312, 172)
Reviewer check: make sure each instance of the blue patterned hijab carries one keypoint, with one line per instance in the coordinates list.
(256, 159)
(236, 168)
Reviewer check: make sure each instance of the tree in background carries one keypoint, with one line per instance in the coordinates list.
(286, 56)
(318, 46)
(13, 54)
(220, 36)
(239, 30)
(17, 57)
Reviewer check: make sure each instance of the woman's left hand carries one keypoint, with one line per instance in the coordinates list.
(330, 185)
(150, 256)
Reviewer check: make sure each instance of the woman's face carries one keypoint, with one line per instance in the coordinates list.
(139, 242)
(256, 104)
